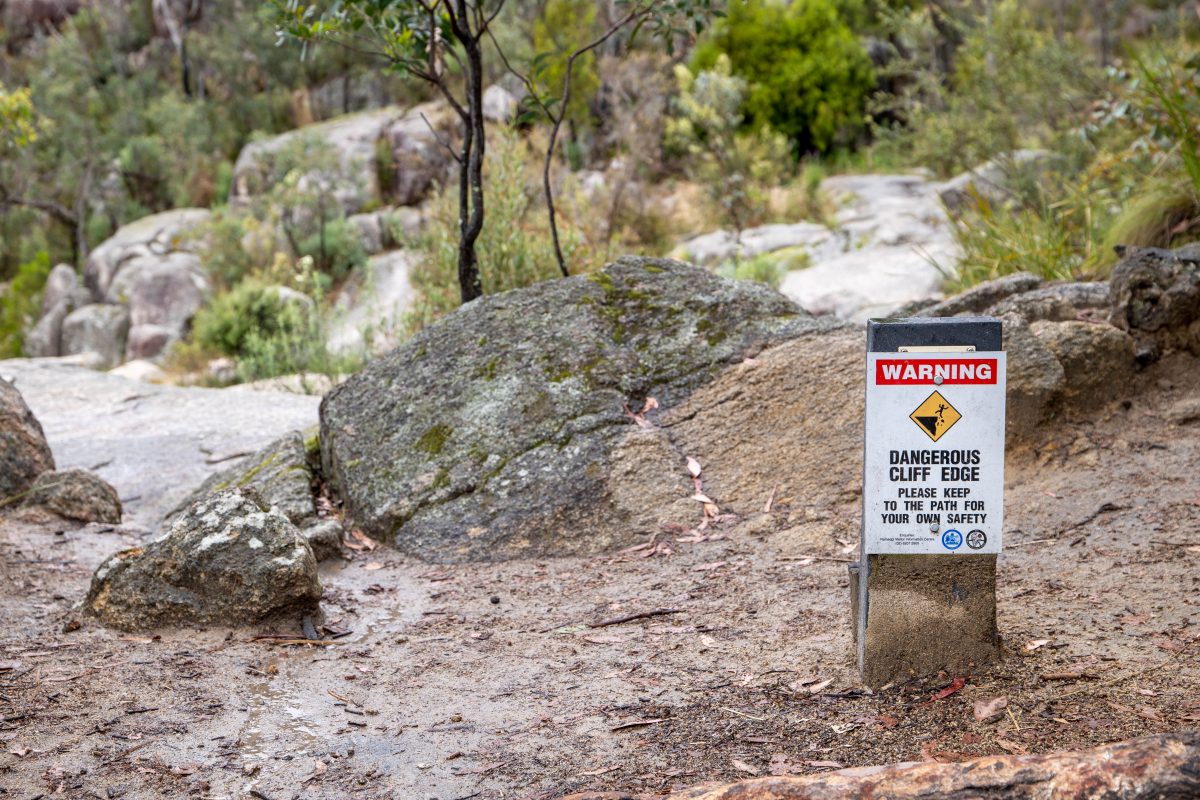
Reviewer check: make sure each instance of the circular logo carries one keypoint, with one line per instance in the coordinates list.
(952, 539)
(976, 539)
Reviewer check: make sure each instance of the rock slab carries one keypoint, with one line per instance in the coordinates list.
(227, 560)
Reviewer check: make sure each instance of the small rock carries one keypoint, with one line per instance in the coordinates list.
(76, 494)
(325, 538)
(226, 560)
(1184, 411)
(1060, 302)
(1035, 377)
(1097, 360)
(140, 370)
(24, 453)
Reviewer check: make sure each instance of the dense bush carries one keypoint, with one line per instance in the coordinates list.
(268, 330)
(808, 75)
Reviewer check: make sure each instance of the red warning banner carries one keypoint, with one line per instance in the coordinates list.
(912, 372)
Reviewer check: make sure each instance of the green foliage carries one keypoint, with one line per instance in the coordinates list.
(269, 331)
(1013, 85)
(514, 248)
(563, 27)
(20, 304)
(765, 268)
(808, 76)
(19, 121)
(735, 167)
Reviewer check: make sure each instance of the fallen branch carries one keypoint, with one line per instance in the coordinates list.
(658, 612)
(1166, 766)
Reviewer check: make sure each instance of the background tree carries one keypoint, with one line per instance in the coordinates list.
(439, 42)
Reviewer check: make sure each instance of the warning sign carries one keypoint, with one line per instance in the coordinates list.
(934, 482)
(935, 416)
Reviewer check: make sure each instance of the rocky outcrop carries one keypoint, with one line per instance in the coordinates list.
(154, 236)
(24, 454)
(894, 241)
(76, 494)
(154, 443)
(352, 140)
(140, 290)
(227, 560)
(368, 313)
(417, 157)
(99, 329)
(1156, 298)
(506, 429)
(61, 295)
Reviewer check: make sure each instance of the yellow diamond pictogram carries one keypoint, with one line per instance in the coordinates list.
(935, 416)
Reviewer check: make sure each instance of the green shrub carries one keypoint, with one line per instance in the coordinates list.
(808, 75)
(267, 333)
(20, 304)
(334, 247)
(765, 268)
(735, 167)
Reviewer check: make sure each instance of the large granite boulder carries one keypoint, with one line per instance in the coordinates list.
(417, 157)
(76, 494)
(227, 560)
(157, 235)
(61, 295)
(352, 138)
(99, 329)
(368, 314)
(24, 453)
(505, 429)
(163, 298)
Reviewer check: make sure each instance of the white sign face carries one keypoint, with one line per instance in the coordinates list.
(934, 472)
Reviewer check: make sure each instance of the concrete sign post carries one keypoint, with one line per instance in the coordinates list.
(924, 591)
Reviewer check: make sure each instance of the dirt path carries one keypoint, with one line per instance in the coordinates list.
(485, 681)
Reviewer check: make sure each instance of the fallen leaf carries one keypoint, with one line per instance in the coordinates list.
(989, 709)
(373, 565)
(693, 467)
(603, 638)
(886, 721)
(651, 404)
(186, 768)
(601, 771)
(20, 752)
(357, 540)
(700, 497)
(1012, 747)
(710, 566)
(1035, 644)
(712, 510)
(1149, 713)
(742, 766)
(823, 764)
(708, 641)
(817, 688)
(955, 686)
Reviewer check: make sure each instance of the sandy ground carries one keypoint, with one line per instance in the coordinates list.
(486, 681)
